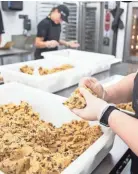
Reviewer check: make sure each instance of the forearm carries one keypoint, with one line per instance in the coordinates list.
(63, 42)
(40, 44)
(0, 38)
(122, 91)
(126, 127)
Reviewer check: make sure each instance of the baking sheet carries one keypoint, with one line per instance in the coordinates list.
(51, 109)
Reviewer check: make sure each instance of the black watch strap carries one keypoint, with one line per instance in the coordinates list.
(106, 114)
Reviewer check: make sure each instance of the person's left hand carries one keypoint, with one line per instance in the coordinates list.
(94, 106)
(73, 44)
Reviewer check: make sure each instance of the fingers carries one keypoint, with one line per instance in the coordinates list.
(89, 82)
(85, 82)
(87, 95)
(80, 112)
(73, 44)
(94, 83)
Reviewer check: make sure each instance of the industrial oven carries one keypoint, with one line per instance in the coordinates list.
(131, 42)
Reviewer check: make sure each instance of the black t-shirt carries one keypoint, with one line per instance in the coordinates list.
(49, 31)
(134, 158)
(1, 24)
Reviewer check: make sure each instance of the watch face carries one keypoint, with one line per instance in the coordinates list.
(103, 122)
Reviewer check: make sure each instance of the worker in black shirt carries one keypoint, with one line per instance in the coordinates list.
(1, 27)
(48, 32)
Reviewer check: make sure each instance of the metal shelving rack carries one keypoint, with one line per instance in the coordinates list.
(70, 30)
(90, 26)
(43, 9)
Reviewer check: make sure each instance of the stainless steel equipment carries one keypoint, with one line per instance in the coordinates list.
(70, 30)
(131, 42)
(43, 9)
(90, 25)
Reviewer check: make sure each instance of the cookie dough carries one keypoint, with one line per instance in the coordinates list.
(126, 106)
(27, 69)
(30, 145)
(45, 71)
(76, 100)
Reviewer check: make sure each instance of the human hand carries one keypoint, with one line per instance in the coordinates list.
(52, 44)
(73, 44)
(94, 106)
(94, 85)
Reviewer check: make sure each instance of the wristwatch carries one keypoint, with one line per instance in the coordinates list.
(106, 113)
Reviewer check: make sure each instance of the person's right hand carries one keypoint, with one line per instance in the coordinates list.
(52, 44)
(94, 85)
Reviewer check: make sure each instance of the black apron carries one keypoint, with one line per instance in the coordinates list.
(134, 166)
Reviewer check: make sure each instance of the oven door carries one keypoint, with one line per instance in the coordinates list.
(131, 42)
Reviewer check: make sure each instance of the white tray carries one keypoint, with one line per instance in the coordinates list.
(52, 82)
(51, 109)
(56, 81)
(96, 62)
(83, 56)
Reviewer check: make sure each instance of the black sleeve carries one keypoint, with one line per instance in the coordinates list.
(1, 24)
(42, 29)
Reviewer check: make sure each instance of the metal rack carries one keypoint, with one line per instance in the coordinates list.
(89, 25)
(43, 9)
(70, 30)
(90, 22)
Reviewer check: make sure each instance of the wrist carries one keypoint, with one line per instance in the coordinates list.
(47, 44)
(112, 117)
(107, 114)
(67, 44)
(102, 109)
(105, 96)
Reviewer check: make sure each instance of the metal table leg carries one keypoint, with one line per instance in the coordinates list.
(2, 61)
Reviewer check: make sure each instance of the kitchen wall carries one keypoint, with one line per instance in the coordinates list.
(13, 25)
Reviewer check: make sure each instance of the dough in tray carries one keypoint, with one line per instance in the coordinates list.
(30, 145)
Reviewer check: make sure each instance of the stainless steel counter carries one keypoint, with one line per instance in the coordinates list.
(11, 52)
(110, 161)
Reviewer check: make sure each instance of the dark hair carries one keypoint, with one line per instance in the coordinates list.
(53, 9)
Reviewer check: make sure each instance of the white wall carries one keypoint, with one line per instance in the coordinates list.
(14, 25)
